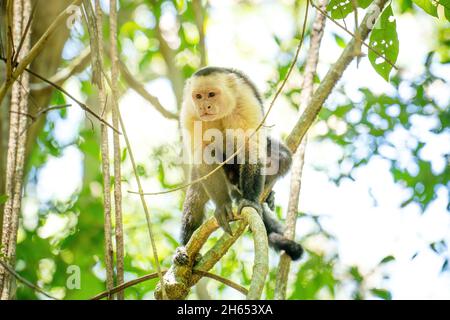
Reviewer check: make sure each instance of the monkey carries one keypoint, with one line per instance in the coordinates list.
(222, 100)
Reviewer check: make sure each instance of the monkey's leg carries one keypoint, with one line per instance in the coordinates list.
(193, 211)
(251, 184)
(216, 186)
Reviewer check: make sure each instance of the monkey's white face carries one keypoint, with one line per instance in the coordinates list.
(211, 98)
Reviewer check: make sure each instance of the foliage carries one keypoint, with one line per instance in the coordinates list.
(370, 124)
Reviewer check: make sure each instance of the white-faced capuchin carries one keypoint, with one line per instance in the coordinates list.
(221, 103)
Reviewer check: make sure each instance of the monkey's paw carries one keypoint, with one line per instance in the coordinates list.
(223, 215)
(248, 203)
(181, 257)
(271, 200)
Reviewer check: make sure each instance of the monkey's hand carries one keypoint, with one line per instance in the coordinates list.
(223, 215)
(249, 203)
(271, 200)
(181, 257)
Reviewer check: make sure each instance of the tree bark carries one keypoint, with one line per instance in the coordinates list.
(16, 149)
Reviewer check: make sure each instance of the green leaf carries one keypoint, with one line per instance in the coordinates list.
(446, 5)
(384, 40)
(387, 259)
(124, 155)
(427, 6)
(3, 198)
(339, 40)
(339, 9)
(381, 293)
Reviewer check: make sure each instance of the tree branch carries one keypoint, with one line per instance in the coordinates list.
(13, 272)
(114, 55)
(332, 77)
(140, 89)
(299, 156)
(154, 275)
(199, 16)
(179, 278)
(16, 152)
(102, 99)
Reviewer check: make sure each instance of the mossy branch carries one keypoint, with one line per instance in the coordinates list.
(180, 278)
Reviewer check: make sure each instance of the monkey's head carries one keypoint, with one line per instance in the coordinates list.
(212, 95)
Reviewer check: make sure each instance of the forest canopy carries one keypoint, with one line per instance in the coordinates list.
(90, 98)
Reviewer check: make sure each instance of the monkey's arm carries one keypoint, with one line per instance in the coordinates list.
(216, 186)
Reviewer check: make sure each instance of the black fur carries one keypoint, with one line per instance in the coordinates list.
(275, 229)
(206, 71)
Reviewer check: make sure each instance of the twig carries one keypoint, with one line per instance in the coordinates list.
(154, 275)
(144, 203)
(42, 112)
(37, 48)
(8, 268)
(34, 118)
(78, 102)
(77, 65)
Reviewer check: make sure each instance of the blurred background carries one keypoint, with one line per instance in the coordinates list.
(374, 206)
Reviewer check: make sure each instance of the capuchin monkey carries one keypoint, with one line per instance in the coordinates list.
(219, 101)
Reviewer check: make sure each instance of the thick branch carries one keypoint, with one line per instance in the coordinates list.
(179, 278)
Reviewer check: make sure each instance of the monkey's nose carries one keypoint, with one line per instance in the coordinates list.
(209, 107)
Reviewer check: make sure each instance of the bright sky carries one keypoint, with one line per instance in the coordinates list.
(365, 233)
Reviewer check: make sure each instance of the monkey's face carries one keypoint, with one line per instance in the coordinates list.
(208, 102)
(211, 98)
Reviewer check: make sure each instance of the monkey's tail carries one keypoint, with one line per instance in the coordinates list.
(277, 240)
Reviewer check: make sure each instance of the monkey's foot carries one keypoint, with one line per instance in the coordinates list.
(181, 257)
(248, 203)
(271, 200)
(223, 215)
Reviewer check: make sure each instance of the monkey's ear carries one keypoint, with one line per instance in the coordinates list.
(232, 80)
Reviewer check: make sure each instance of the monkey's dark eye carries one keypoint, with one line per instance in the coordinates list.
(211, 94)
(198, 96)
